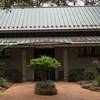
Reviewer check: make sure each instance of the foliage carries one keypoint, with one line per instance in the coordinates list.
(24, 3)
(97, 79)
(89, 75)
(31, 3)
(15, 3)
(45, 88)
(75, 75)
(43, 84)
(80, 75)
(93, 85)
(44, 64)
(13, 75)
(3, 83)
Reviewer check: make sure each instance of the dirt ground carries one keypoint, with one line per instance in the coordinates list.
(66, 91)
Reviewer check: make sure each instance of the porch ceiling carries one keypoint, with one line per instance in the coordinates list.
(50, 40)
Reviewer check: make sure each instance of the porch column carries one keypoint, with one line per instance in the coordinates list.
(65, 64)
(24, 65)
(56, 71)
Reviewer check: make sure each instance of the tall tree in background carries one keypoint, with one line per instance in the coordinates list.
(33, 3)
(16, 3)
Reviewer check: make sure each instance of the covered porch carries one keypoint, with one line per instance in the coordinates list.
(72, 52)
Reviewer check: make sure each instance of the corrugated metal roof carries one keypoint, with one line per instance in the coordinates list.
(50, 18)
(50, 40)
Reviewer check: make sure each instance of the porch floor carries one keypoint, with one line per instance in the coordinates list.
(66, 91)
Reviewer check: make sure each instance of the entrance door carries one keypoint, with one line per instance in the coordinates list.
(48, 52)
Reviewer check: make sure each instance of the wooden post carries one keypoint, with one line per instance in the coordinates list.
(65, 63)
(24, 65)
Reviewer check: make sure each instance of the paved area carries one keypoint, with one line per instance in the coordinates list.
(66, 91)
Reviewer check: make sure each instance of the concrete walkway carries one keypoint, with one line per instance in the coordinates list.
(66, 91)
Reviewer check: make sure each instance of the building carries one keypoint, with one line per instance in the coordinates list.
(70, 34)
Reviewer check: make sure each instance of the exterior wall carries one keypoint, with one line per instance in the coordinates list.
(29, 56)
(59, 56)
(73, 61)
(15, 61)
(79, 62)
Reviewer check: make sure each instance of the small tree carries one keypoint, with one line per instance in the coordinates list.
(43, 64)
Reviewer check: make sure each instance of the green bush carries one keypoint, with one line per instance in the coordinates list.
(45, 84)
(44, 64)
(88, 75)
(75, 75)
(45, 88)
(3, 83)
(13, 75)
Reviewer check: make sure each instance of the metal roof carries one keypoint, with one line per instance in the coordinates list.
(50, 40)
(68, 18)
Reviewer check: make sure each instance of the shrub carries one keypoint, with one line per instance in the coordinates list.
(80, 75)
(94, 83)
(3, 83)
(45, 84)
(43, 64)
(97, 79)
(88, 75)
(75, 75)
(45, 88)
(13, 75)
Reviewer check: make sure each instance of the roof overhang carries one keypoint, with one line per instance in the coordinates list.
(51, 41)
(50, 30)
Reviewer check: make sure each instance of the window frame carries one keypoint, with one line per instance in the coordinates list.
(87, 52)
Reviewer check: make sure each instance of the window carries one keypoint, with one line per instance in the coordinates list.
(5, 53)
(97, 51)
(89, 51)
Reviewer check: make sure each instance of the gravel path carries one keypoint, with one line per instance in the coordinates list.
(66, 91)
